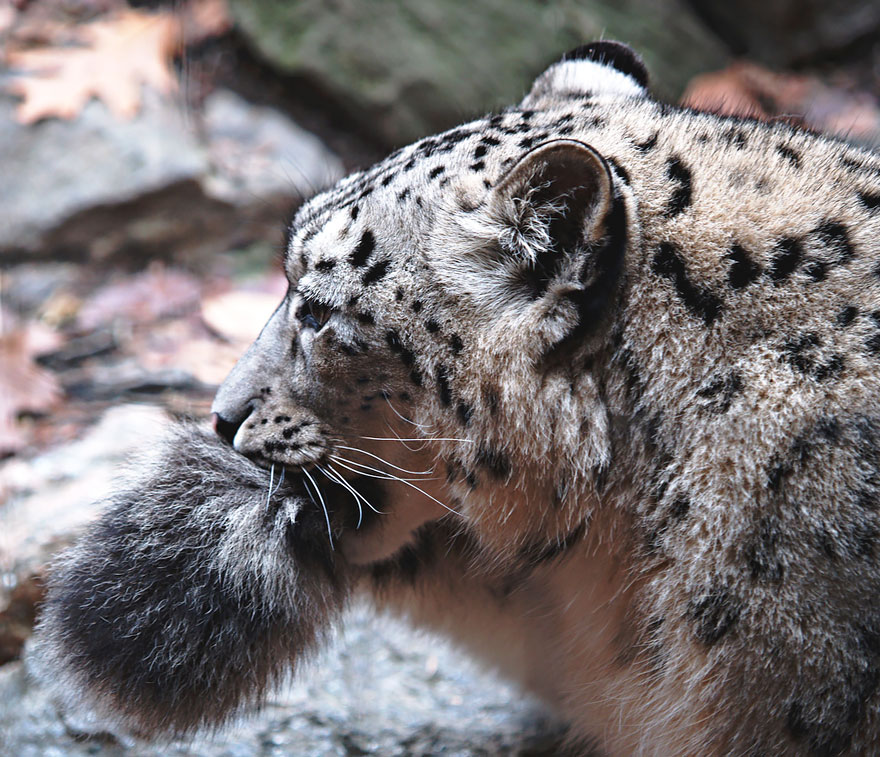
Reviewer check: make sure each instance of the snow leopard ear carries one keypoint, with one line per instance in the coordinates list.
(560, 229)
(599, 68)
(552, 203)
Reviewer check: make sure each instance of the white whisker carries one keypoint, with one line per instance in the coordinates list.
(426, 439)
(386, 474)
(397, 437)
(280, 481)
(342, 482)
(383, 460)
(341, 461)
(309, 492)
(404, 418)
(392, 477)
(323, 505)
(361, 473)
(354, 491)
(269, 492)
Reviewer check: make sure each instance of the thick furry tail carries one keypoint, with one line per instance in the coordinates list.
(192, 596)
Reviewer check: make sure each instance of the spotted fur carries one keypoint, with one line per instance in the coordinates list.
(639, 346)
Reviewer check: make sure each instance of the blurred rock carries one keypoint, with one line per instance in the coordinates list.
(26, 288)
(157, 292)
(379, 689)
(411, 69)
(45, 501)
(128, 379)
(257, 152)
(56, 169)
(155, 186)
(785, 32)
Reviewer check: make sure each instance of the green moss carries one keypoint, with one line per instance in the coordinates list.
(415, 67)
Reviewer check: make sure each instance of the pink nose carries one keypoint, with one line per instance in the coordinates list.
(224, 428)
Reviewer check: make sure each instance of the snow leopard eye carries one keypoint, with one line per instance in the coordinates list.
(313, 315)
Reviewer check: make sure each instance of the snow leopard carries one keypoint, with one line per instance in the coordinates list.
(590, 385)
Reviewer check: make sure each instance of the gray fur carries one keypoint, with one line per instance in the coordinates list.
(193, 594)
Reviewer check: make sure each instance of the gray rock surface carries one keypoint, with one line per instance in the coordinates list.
(167, 183)
(257, 152)
(417, 67)
(379, 689)
(45, 502)
(47, 499)
(55, 169)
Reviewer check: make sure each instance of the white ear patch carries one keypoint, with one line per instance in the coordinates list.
(579, 77)
(599, 68)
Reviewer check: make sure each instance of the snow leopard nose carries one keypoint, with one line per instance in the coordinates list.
(224, 428)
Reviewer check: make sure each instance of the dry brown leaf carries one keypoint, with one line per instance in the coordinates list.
(60, 309)
(7, 16)
(239, 316)
(144, 297)
(205, 18)
(725, 92)
(118, 56)
(24, 385)
(747, 89)
(181, 347)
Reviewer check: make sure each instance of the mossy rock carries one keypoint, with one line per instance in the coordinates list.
(409, 69)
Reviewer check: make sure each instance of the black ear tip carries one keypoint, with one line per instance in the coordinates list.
(615, 54)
